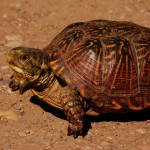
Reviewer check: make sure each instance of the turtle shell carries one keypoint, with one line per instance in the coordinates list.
(104, 60)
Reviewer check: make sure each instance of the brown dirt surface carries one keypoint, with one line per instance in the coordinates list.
(27, 123)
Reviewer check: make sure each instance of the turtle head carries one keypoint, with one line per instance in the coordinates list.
(28, 63)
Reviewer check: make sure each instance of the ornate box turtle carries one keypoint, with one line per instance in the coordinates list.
(96, 66)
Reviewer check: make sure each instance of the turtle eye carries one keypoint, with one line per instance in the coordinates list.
(24, 57)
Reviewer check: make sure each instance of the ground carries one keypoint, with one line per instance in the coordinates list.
(26, 122)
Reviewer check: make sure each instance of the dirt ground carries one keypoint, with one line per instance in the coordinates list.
(27, 123)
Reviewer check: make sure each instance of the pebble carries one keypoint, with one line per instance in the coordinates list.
(148, 121)
(25, 133)
(28, 131)
(17, 5)
(9, 115)
(22, 134)
(109, 138)
(36, 16)
(87, 147)
(21, 113)
(4, 67)
(5, 16)
(145, 147)
(104, 143)
(13, 40)
(6, 146)
(9, 91)
(141, 130)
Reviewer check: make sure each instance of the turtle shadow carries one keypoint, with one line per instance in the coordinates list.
(56, 112)
(139, 116)
(142, 115)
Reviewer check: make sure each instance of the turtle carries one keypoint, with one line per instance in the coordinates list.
(89, 68)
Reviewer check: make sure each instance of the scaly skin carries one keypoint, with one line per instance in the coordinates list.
(31, 70)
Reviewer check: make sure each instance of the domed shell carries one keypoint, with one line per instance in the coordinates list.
(102, 59)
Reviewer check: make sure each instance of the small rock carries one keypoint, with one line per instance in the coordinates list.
(4, 67)
(36, 16)
(146, 147)
(141, 130)
(109, 138)
(148, 121)
(104, 143)
(9, 91)
(13, 40)
(2, 43)
(6, 146)
(5, 16)
(87, 147)
(122, 17)
(22, 134)
(17, 5)
(28, 131)
(21, 113)
(20, 25)
(25, 133)
(9, 115)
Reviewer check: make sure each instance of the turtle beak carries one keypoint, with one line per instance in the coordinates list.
(10, 60)
(10, 56)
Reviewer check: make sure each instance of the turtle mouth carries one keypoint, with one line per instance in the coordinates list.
(15, 68)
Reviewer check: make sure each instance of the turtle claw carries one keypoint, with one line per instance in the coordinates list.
(75, 130)
(21, 89)
(14, 84)
(18, 84)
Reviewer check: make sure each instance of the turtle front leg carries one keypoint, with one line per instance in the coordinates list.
(73, 107)
(18, 83)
